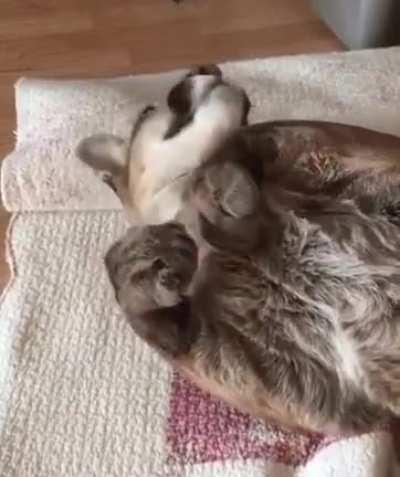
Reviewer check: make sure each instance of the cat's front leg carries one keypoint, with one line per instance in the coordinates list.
(228, 202)
(150, 270)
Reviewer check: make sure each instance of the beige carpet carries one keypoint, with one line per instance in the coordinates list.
(79, 394)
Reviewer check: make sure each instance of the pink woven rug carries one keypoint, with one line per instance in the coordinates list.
(203, 429)
(80, 395)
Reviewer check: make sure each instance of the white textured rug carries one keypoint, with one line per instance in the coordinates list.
(79, 394)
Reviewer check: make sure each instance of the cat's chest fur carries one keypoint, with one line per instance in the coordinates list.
(288, 296)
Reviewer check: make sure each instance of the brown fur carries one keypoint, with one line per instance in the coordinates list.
(291, 311)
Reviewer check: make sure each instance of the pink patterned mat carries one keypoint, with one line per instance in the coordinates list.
(203, 429)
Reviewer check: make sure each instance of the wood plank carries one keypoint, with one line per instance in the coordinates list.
(88, 38)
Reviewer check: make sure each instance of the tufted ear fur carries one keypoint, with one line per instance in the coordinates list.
(104, 152)
(107, 155)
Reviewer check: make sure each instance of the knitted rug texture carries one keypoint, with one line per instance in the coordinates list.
(80, 395)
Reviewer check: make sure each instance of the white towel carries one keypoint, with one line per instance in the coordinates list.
(42, 173)
(80, 395)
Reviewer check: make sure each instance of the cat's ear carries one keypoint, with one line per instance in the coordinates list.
(104, 152)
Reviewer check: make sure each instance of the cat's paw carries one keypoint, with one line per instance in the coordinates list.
(228, 203)
(152, 266)
(150, 269)
(223, 191)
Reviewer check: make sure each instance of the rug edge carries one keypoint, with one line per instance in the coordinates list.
(6, 377)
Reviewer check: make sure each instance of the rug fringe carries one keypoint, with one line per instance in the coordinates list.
(10, 258)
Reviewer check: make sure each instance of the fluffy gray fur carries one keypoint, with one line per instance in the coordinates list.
(291, 310)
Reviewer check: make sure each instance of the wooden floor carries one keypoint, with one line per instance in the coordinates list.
(66, 38)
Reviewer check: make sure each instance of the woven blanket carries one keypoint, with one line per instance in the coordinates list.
(80, 395)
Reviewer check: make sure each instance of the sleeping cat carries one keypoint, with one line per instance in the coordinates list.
(290, 310)
(150, 173)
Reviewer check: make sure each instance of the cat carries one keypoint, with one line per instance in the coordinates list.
(288, 305)
(150, 173)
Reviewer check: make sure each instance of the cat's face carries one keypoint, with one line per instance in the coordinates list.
(167, 145)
